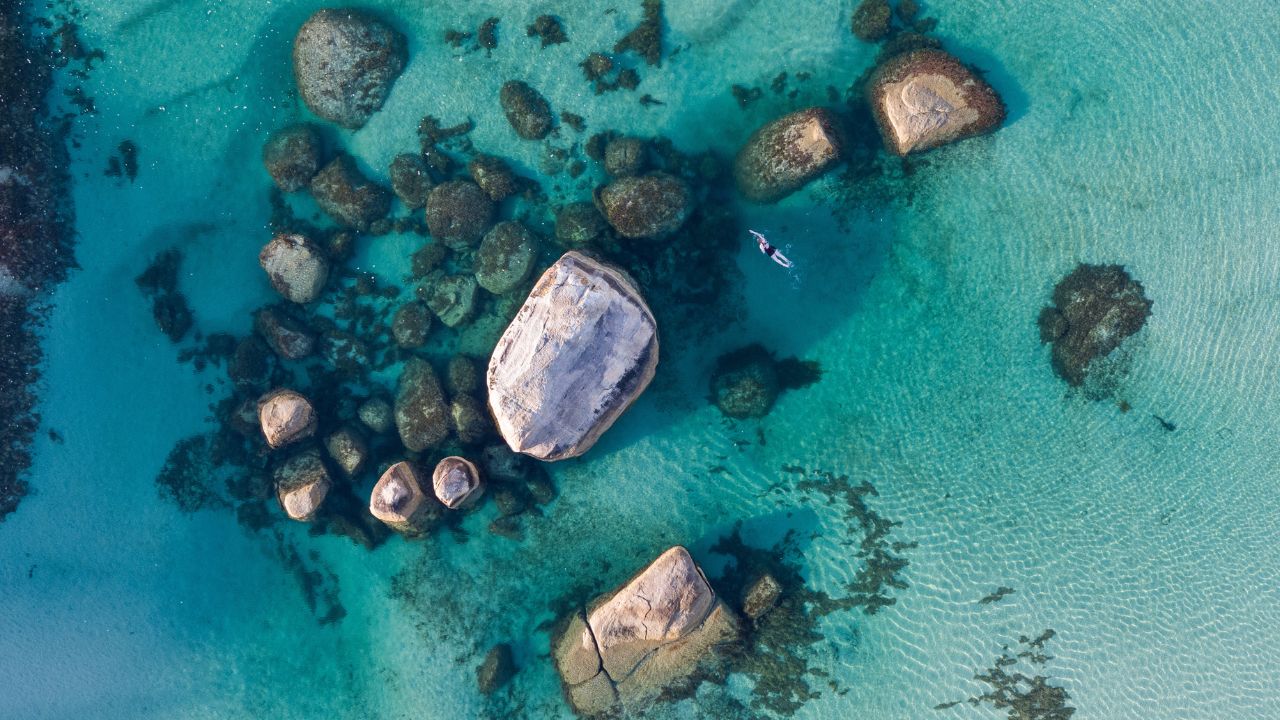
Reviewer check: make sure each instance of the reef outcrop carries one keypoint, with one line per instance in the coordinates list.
(1095, 308)
(580, 350)
(926, 98)
(345, 62)
(659, 629)
(785, 154)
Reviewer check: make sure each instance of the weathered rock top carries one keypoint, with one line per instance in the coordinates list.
(926, 98)
(582, 347)
(345, 61)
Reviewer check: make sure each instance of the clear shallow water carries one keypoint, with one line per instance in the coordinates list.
(1137, 135)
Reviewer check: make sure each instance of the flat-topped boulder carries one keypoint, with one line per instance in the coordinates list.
(782, 156)
(456, 482)
(580, 350)
(400, 501)
(302, 484)
(286, 416)
(345, 62)
(659, 628)
(926, 98)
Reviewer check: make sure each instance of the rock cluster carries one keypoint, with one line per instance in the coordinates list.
(581, 349)
(926, 98)
(661, 627)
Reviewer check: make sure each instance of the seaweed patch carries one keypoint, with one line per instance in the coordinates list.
(1024, 697)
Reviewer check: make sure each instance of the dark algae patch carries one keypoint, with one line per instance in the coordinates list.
(36, 219)
(996, 596)
(1021, 696)
(646, 39)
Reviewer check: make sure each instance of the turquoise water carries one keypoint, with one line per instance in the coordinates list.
(1137, 135)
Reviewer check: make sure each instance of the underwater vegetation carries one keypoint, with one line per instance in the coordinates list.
(1024, 697)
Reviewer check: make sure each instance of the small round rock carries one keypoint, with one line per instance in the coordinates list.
(457, 483)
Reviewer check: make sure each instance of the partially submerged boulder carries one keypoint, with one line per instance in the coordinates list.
(580, 350)
(400, 501)
(457, 483)
(347, 196)
(760, 596)
(345, 62)
(624, 156)
(377, 415)
(1095, 308)
(926, 98)
(661, 628)
(292, 156)
(505, 257)
(286, 416)
(302, 483)
(649, 206)
(784, 155)
(526, 110)
(453, 299)
(422, 415)
(296, 266)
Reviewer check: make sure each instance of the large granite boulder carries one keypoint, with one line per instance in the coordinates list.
(345, 62)
(347, 196)
(505, 257)
(926, 98)
(286, 417)
(302, 483)
(296, 266)
(782, 156)
(582, 347)
(659, 629)
(422, 415)
(1095, 308)
(400, 500)
(292, 156)
(649, 206)
(456, 482)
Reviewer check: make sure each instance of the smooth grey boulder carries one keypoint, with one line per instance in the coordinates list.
(580, 350)
(456, 482)
(296, 266)
(661, 627)
(400, 501)
(345, 62)
(286, 416)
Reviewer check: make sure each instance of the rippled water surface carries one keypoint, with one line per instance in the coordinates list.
(1139, 528)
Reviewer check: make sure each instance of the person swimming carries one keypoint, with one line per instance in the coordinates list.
(768, 249)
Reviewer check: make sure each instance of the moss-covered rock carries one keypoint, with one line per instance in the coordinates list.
(505, 257)
(1095, 308)
(871, 20)
(347, 196)
(580, 225)
(459, 213)
(526, 110)
(345, 62)
(411, 180)
(650, 206)
(292, 156)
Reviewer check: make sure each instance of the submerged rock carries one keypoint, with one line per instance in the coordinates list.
(411, 325)
(410, 180)
(296, 266)
(782, 156)
(1094, 309)
(377, 415)
(287, 336)
(345, 62)
(493, 176)
(400, 501)
(459, 213)
(926, 98)
(581, 349)
(463, 375)
(422, 415)
(302, 483)
(871, 20)
(503, 465)
(470, 421)
(624, 156)
(292, 156)
(747, 386)
(348, 449)
(505, 257)
(761, 596)
(453, 299)
(651, 206)
(526, 110)
(286, 417)
(347, 196)
(579, 225)
(661, 628)
(457, 483)
(497, 668)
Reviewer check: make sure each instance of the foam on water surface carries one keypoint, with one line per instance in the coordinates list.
(1137, 135)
